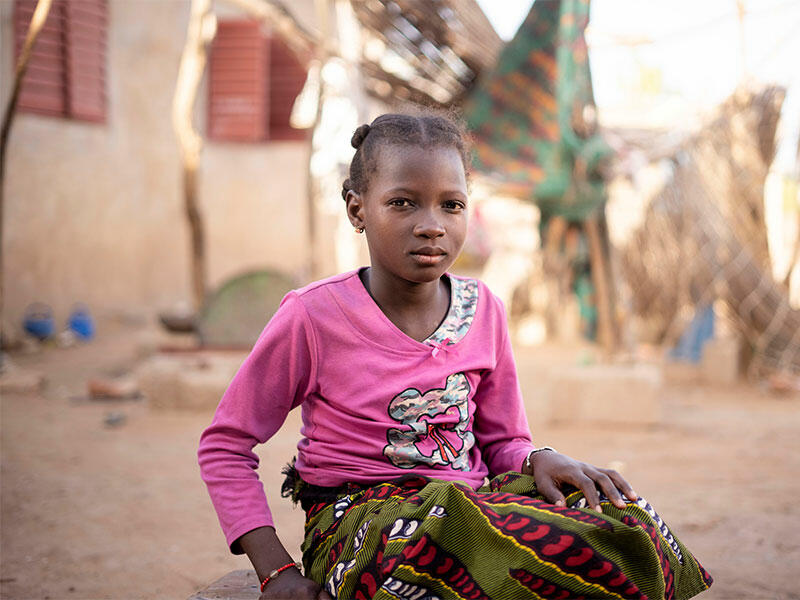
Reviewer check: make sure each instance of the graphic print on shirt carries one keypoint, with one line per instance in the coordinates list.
(434, 428)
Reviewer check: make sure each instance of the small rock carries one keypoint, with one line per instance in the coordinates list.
(784, 384)
(18, 381)
(115, 419)
(112, 389)
(30, 345)
(66, 339)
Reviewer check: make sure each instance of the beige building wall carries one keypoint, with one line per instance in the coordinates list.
(94, 212)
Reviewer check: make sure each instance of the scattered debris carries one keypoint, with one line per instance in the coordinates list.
(124, 388)
(30, 345)
(15, 380)
(179, 322)
(782, 383)
(66, 339)
(115, 419)
(10, 339)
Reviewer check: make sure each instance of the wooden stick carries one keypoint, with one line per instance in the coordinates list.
(201, 30)
(554, 271)
(312, 185)
(37, 22)
(606, 332)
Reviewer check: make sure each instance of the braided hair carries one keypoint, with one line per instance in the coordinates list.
(428, 129)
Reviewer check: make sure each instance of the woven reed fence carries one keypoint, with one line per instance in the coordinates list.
(704, 239)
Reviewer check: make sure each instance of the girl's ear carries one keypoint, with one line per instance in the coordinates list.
(355, 208)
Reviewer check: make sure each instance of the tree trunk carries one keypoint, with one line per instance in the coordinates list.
(606, 324)
(197, 234)
(36, 24)
(556, 273)
(201, 30)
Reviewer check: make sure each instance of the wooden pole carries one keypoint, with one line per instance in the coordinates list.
(312, 185)
(201, 30)
(606, 329)
(35, 26)
(555, 273)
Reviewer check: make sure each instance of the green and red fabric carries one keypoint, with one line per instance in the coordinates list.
(523, 114)
(426, 539)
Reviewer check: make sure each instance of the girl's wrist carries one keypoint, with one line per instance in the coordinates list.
(276, 572)
(527, 467)
(265, 551)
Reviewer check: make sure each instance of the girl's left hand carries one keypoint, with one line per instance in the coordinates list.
(552, 470)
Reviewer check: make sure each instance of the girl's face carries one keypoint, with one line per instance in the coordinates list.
(414, 211)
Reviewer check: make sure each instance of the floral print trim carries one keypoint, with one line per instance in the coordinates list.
(463, 302)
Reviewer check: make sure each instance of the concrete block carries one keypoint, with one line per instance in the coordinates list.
(187, 381)
(681, 373)
(158, 380)
(152, 340)
(236, 585)
(619, 394)
(21, 381)
(720, 362)
(202, 389)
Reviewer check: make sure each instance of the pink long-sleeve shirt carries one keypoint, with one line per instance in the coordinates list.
(376, 404)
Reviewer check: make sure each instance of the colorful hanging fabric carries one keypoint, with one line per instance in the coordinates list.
(528, 115)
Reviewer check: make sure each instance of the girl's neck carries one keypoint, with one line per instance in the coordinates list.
(417, 309)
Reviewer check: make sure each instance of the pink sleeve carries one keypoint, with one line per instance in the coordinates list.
(274, 378)
(501, 426)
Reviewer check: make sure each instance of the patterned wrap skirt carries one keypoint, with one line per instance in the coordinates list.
(426, 539)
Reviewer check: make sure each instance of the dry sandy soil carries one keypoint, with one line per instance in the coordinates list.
(92, 511)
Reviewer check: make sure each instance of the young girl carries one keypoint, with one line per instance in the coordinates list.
(410, 400)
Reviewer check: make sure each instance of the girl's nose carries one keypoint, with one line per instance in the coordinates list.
(429, 227)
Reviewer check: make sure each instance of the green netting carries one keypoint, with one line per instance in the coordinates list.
(236, 313)
(527, 115)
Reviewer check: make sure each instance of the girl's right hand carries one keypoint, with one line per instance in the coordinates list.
(291, 585)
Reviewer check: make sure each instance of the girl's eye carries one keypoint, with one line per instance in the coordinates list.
(454, 205)
(400, 202)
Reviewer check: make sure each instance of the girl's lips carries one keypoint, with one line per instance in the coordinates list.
(428, 259)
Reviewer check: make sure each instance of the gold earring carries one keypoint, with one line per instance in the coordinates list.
(359, 229)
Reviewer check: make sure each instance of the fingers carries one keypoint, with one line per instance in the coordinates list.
(547, 488)
(587, 486)
(621, 484)
(552, 470)
(603, 479)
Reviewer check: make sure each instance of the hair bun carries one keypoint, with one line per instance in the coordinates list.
(359, 135)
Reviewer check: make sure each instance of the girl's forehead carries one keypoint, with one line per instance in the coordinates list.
(403, 159)
(399, 149)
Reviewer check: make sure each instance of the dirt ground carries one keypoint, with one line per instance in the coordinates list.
(94, 511)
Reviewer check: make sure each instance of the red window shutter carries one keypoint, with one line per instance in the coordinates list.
(86, 24)
(44, 85)
(238, 78)
(66, 71)
(287, 77)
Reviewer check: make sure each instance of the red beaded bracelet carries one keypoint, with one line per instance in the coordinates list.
(277, 572)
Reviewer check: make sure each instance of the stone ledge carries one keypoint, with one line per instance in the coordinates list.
(236, 585)
(621, 394)
(187, 381)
